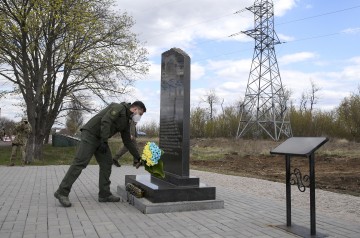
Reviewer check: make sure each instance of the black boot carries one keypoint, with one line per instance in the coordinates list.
(111, 198)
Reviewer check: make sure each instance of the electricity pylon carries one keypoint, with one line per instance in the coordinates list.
(264, 108)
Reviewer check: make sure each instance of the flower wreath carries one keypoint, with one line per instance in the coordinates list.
(152, 157)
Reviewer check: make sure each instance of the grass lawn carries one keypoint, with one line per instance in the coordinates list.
(63, 155)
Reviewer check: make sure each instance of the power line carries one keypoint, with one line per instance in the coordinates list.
(319, 15)
(307, 18)
(242, 10)
(325, 35)
(315, 37)
(285, 42)
(223, 54)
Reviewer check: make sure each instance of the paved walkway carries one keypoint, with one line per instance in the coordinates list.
(29, 209)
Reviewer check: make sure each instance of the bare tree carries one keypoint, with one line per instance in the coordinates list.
(303, 102)
(309, 97)
(222, 106)
(51, 50)
(211, 99)
(313, 97)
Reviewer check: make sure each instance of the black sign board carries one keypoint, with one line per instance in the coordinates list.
(306, 147)
(299, 146)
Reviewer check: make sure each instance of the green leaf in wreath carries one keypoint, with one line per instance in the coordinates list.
(156, 170)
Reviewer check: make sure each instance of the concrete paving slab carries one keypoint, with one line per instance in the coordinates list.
(29, 209)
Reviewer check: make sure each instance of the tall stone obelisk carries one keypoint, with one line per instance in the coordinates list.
(174, 140)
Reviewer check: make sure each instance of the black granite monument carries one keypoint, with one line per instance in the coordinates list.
(175, 111)
(177, 185)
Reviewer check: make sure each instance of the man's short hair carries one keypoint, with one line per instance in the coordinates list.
(139, 104)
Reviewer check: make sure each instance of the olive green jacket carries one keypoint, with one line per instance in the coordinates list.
(114, 118)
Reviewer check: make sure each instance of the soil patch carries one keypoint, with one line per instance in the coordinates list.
(337, 166)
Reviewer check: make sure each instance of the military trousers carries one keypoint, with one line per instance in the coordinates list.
(88, 147)
(15, 148)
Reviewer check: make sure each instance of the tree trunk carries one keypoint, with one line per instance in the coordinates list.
(36, 141)
(46, 140)
(38, 147)
(29, 149)
(34, 148)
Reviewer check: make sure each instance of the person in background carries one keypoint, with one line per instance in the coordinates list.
(124, 149)
(94, 141)
(22, 131)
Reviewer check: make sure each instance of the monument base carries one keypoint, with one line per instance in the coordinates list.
(159, 191)
(179, 180)
(147, 207)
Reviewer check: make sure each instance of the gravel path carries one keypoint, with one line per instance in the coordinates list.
(342, 206)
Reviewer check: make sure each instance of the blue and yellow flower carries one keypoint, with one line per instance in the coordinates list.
(151, 156)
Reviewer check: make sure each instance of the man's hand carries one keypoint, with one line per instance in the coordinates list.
(103, 147)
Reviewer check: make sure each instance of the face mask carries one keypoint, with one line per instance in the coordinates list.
(136, 118)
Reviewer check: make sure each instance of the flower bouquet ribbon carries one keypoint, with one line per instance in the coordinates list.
(151, 156)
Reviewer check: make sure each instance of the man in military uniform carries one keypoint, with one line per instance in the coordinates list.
(94, 141)
(22, 131)
(124, 149)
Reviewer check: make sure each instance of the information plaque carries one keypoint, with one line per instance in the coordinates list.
(303, 147)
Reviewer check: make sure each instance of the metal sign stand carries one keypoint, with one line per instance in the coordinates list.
(304, 147)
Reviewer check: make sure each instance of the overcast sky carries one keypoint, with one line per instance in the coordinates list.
(320, 45)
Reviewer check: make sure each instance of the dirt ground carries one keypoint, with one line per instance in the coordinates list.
(337, 163)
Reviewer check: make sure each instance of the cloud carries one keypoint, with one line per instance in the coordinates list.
(351, 30)
(230, 86)
(355, 60)
(334, 85)
(9, 107)
(352, 71)
(229, 78)
(154, 72)
(174, 23)
(230, 69)
(197, 71)
(285, 38)
(297, 57)
(282, 6)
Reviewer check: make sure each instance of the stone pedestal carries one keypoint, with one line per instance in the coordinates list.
(147, 207)
(158, 190)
